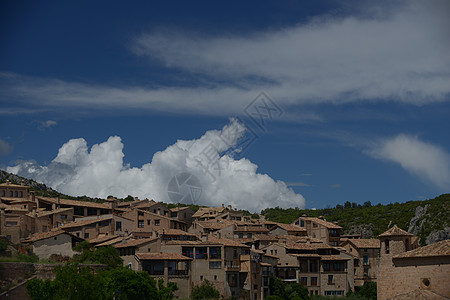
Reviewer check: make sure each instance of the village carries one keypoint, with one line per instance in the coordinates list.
(238, 254)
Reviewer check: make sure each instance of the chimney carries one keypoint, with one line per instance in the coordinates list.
(22, 182)
(8, 182)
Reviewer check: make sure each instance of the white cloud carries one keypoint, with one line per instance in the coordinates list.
(422, 159)
(48, 123)
(100, 172)
(5, 148)
(399, 53)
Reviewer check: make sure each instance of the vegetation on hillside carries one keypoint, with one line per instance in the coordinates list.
(375, 218)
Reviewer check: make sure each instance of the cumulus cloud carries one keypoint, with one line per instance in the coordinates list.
(399, 53)
(420, 158)
(5, 148)
(100, 172)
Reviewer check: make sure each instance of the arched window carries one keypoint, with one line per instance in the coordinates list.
(21, 194)
(3, 193)
(10, 193)
(16, 194)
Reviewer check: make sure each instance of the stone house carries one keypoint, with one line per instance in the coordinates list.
(56, 241)
(319, 228)
(406, 271)
(367, 252)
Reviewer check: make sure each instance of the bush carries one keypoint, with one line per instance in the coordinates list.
(205, 291)
(3, 245)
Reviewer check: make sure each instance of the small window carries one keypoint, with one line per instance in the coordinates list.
(86, 235)
(63, 217)
(141, 224)
(10, 193)
(330, 279)
(16, 194)
(3, 193)
(148, 222)
(21, 194)
(215, 277)
(201, 277)
(157, 222)
(55, 238)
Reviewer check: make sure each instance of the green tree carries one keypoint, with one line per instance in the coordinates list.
(368, 290)
(3, 245)
(205, 291)
(287, 290)
(71, 282)
(104, 255)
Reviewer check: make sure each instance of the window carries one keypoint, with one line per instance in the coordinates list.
(21, 194)
(365, 259)
(386, 247)
(302, 223)
(140, 213)
(3, 193)
(118, 226)
(201, 277)
(215, 265)
(16, 194)
(304, 280)
(201, 252)
(10, 193)
(215, 277)
(235, 253)
(337, 267)
(157, 222)
(326, 266)
(214, 252)
(141, 224)
(240, 235)
(315, 225)
(249, 235)
(44, 228)
(148, 222)
(334, 293)
(188, 251)
(313, 266)
(63, 217)
(330, 279)
(314, 281)
(86, 235)
(55, 238)
(11, 223)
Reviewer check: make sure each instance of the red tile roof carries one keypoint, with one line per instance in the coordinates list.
(45, 235)
(324, 223)
(441, 248)
(365, 243)
(135, 243)
(395, 231)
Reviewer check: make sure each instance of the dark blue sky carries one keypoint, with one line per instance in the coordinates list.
(363, 88)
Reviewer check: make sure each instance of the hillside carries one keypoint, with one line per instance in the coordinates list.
(428, 219)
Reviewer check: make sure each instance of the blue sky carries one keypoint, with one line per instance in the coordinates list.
(97, 98)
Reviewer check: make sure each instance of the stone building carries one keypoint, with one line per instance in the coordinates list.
(406, 271)
(367, 252)
(319, 228)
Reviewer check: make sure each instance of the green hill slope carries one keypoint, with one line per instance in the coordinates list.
(370, 221)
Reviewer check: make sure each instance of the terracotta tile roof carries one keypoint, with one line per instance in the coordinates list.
(174, 232)
(244, 240)
(45, 235)
(45, 213)
(214, 225)
(184, 243)
(74, 202)
(75, 224)
(365, 243)
(265, 237)
(102, 238)
(161, 256)
(306, 255)
(395, 231)
(441, 248)
(110, 242)
(290, 227)
(333, 257)
(135, 243)
(228, 242)
(6, 184)
(205, 211)
(251, 228)
(327, 224)
(176, 209)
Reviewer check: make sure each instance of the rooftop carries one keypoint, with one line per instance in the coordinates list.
(441, 248)
(395, 231)
(364, 243)
(135, 243)
(322, 222)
